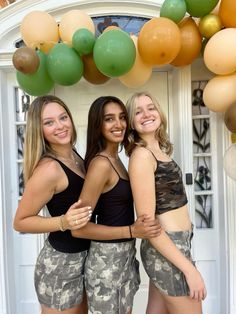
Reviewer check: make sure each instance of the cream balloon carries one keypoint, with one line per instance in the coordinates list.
(220, 52)
(139, 73)
(216, 9)
(39, 30)
(220, 92)
(71, 22)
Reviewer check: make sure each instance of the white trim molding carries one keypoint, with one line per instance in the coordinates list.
(230, 222)
(12, 15)
(4, 289)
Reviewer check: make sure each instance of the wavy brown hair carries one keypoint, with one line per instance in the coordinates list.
(161, 133)
(35, 145)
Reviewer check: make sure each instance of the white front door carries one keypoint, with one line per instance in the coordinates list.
(26, 246)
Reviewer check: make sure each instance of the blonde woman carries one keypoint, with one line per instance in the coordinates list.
(54, 176)
(176, 286)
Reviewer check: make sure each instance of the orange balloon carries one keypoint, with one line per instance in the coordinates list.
(227, 13)
(91, 72)
(159, 41)
(220, 92)
(71, 22)
(108, 28)
(220, 52)
(140, 73)
(191, 42)
(39, 30)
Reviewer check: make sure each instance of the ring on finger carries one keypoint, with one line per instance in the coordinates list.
(76, 221)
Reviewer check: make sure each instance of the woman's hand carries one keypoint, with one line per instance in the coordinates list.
(76, 217)
(196, 285)
(144, 227)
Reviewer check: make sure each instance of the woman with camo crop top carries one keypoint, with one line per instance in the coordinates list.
(176, 286)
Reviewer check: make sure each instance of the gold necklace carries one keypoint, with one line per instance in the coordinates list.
(72, 159)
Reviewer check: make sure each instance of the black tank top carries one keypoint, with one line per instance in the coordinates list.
(169, 187)
(115, 207)
(58, 205)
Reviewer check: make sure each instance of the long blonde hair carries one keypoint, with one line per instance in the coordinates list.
(35, 146)
(161, 133)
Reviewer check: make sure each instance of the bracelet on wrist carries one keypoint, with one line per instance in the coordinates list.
(61, 224)
(130, 232)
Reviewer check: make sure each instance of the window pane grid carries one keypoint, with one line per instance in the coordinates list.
(202, 158)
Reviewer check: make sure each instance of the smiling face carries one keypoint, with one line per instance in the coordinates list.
(146, 117)
(114, 123)
(56, 125)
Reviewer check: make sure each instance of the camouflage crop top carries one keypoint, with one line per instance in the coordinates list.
(170, 191)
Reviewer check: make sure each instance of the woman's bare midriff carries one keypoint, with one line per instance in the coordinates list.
(176, 220)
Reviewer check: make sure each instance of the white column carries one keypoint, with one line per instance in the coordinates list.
(230, 205)
(2, 222)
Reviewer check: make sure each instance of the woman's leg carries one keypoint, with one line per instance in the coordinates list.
(182, 305)
(156, 303)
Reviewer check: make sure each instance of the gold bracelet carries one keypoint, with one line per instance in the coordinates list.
(131, 236)
(61, 223)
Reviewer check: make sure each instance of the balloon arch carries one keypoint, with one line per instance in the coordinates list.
(99, 49)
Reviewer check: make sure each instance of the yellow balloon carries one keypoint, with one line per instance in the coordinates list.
(220, 52)
(209, 25)
(191, 42)
(140, 72)
(220, 92)
(39, 30)
(233, 137)
(71, 22)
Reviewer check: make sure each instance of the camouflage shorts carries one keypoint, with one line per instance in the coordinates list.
(58, 278)
(164, 275)
(111, 277)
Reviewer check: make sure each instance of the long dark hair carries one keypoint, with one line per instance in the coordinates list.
(95, 139)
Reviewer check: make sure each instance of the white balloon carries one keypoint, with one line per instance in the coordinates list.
(230, 161)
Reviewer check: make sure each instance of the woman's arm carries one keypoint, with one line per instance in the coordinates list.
(143, 188)
(48, 178)
(97, 178)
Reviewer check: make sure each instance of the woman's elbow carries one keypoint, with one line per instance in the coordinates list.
(16, 225)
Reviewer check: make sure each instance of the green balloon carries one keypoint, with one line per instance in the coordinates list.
(83, 41)
(64, 65)
(39, 83)
(114, 53)
(198, 8)
(173, 9)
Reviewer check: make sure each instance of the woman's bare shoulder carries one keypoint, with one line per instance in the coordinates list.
(140, 152)
(48, 168)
